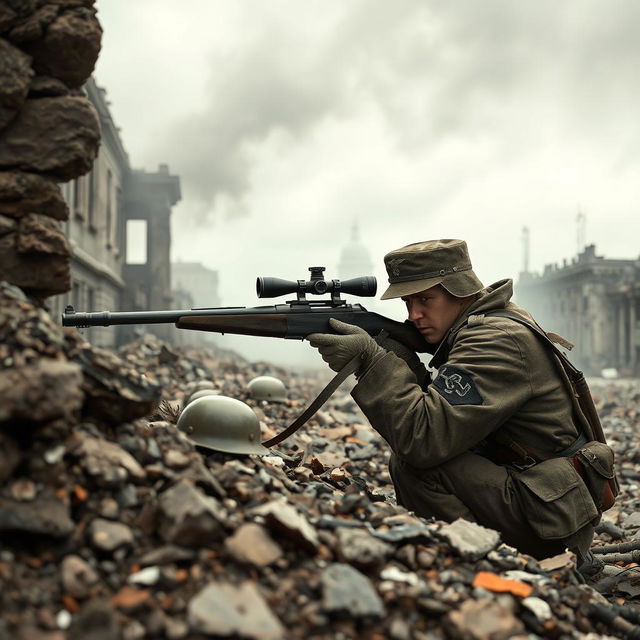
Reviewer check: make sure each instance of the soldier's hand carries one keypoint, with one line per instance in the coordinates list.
(350, 341)
(411, 358)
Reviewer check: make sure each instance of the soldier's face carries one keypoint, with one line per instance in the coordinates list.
(433, 312)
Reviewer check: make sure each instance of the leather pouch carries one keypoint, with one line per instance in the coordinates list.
(555, 499)
(594, 463)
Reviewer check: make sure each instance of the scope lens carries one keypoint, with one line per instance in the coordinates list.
(320, 287)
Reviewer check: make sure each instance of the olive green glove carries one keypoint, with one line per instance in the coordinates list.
(414, 363)
(339, 349)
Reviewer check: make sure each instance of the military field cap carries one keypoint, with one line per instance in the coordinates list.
(423, 265)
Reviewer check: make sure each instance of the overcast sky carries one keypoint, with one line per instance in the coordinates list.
(288, 120)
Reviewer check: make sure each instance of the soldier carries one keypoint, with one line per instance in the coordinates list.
(473, 443)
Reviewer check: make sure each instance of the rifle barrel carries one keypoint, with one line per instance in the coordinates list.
(109, 318)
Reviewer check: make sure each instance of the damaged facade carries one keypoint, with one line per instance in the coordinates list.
(593, 302)
(111, 207)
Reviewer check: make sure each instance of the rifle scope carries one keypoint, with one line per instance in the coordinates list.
(274, 287)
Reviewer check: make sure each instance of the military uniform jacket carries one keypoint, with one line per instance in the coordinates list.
(493, 374)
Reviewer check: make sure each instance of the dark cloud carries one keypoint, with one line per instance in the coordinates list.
(516, 71)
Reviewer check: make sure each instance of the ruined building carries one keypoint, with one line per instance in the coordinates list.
(594, 303)
(119, 232)
(198, 281)
(194, 285)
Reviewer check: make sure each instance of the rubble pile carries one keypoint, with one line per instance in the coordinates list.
(114, 526)
(49, 133)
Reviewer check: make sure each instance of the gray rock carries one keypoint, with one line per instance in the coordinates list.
(632, 521)
(188, 517)
(45, 516)
(222, 609)
(540, 609)
(166, 555)
(77, 576)
(97, 620)
(47, 87)
(472, 541)
(397, 575)
(39, 274)
(481, 619)
(147, 576)
(15, 76)
(56, 136)
(24, 193)
(109, 536)
(176, 459)
(251, 544)
(43, 391)
(360, 549)
(284, 519)
(99, 458)
(39, 233)
(109, 509)
(23, 490)
(346, 591)
(69, 47)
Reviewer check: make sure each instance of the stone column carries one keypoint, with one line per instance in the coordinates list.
(622, 338)
(632, 333)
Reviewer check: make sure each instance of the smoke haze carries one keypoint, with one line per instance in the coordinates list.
(287, 121)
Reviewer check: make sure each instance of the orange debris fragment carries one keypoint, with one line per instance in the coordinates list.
(182, 575)
(129, 598)
(493, 582)
(70, 604)
(80, 493)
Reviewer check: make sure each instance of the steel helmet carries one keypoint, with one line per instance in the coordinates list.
(202, 393)
(267, 388)
(222, 424)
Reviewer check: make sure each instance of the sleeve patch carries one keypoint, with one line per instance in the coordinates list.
(457, 386)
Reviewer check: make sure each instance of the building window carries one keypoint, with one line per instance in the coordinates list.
(93, 194)
(136, 242)
(76, 202)
(75, 295)
(119, 223)
(108, 212)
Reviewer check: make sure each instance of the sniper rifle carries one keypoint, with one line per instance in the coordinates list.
(296, 319)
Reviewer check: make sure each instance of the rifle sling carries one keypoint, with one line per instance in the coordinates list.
(349, 368)
(322, 397)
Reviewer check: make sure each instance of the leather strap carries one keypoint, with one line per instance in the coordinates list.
(322, 397)
(349, 368)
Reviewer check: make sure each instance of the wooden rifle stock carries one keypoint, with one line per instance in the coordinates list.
(270, 325)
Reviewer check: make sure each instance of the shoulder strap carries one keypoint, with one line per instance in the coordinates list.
(572, 372)
(583, 405)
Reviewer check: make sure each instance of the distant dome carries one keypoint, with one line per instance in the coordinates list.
(355, 259)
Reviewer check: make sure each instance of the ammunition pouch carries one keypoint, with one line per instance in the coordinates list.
(594, 464)
(555, 498)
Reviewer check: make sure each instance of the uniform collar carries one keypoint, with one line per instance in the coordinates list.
(495, 296)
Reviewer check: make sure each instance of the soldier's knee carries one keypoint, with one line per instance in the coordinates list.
(404, 474)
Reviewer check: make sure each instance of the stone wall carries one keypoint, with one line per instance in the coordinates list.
(49, 133)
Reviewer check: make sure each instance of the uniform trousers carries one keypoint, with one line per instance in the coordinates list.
(471, 487)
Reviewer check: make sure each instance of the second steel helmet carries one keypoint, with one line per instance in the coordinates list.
(201, 393)
(267, 388)
(222, 424)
